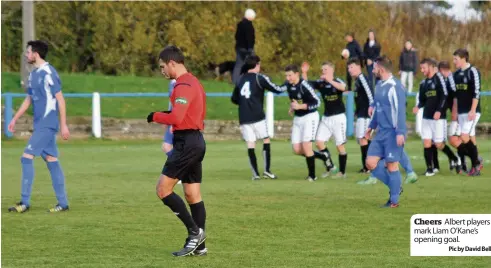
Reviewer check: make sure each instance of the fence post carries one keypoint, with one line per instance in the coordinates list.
(270, 113)
(7, 113)
(96, 115)
(350, 113)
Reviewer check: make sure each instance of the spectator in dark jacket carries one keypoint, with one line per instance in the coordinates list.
(372, 51)
(408, 64)
(244, 42)
(354, 52)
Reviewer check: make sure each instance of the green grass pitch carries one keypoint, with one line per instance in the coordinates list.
(116, 220)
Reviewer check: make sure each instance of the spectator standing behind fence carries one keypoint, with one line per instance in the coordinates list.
(244, 42)
(372, 51)
(408, 64)
(354, 52)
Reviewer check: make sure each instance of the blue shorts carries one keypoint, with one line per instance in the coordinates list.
(168, 136)
(385, 146)
(42, 141)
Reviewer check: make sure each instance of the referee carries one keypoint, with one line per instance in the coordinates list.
(187, 121)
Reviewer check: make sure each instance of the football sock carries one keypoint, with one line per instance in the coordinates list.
(364, 150)
(175, 203)
(395, 186)
(451, 156)
(320, 156)
(267, 156)
(380, 172)
(473, 154)
(27, 179)
(311, 165)
(58, 181)
(429, 158)
(198, 212)
(328, 155)
(406, 163)
(434, 152)
(343, 158)
(253, 161)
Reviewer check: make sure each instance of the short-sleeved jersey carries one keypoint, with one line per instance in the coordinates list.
(433, 96)
(249, 96)
(363, 96)
(332, 97)
(303, 93)
(188, 105)
(44, 83)
(172, 83)
(468, 85)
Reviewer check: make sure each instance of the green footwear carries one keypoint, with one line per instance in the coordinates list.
(411, 177)
(369, 180)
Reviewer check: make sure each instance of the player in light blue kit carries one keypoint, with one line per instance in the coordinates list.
(389, 119)
(44, 93)
(167, 140)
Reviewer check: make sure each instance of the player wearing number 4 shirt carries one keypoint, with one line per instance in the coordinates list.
(333, 122)
(249, 96)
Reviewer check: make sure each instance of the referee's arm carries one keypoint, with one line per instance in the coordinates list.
(179, 107)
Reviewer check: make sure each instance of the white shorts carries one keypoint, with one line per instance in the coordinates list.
(435, 130)
(466, 126)
(453, 129)
(419, 121)
(332, 126)
(304, 127)
(254, 131)
(361, 127)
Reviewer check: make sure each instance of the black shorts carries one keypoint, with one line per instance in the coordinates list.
(185, 161)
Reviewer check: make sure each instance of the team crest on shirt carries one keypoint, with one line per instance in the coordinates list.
(465, 80)
(181, 100)
(432, 86)
(299, 96)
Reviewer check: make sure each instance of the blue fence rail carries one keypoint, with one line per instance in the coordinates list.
(8, 97)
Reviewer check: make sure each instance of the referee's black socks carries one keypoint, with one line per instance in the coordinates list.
(175, 203)
(199, 216)
(253, 161)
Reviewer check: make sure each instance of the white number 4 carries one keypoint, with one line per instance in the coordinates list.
(245, 90)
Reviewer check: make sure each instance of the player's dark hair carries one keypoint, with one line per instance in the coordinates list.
(354, 60)
(445, 65)
(171, 53)
(39, 47)
(429, 61)
(462, 53)
(291, 67)
(352, 34)
(250, 63)
(384, 62)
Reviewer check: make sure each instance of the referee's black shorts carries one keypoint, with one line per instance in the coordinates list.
(185, 161)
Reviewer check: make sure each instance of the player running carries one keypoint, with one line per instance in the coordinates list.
(333, 122)
(249, 96)
(44, 93)
(304, 104)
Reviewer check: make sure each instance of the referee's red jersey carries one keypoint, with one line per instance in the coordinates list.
(188, 105)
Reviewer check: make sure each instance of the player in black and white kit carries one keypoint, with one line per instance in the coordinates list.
(333, 122)
(249, 96)
(304, 104)
(433, 98)
(453, 129)
(363, 100)
(466, 103)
